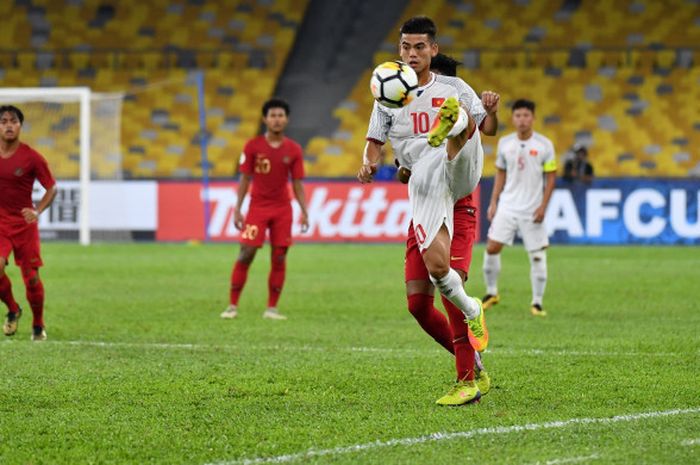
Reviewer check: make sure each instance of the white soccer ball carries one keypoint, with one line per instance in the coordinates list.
(393, 84)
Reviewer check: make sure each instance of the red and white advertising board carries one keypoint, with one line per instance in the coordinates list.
(338, 212)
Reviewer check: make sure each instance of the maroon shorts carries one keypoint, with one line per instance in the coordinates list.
(460, 249)
(278, 220)
(24, 245)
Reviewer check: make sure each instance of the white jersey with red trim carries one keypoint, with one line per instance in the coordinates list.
(525, 162)
(407, 128)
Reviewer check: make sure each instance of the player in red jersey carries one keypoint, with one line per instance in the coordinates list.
(452, 334)
(268, 161)
(20, 166)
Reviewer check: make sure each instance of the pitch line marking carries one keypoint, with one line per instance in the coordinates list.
(387, 350)
(569, 460)
(442, 436)
(691, 442)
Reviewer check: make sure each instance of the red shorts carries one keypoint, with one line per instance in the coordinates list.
(25, 246)
(278, 220)
(460, 248)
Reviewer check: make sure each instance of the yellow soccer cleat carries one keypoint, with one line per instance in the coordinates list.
(483, 381)
(447, 117)
(490, 300)
(537, 310)
(463, 392)
(478, 332)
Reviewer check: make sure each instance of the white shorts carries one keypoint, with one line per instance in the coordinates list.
(435, 185)
(505, 225)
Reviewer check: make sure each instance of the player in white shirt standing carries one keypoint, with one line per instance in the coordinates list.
(523, 186)
(445, 159)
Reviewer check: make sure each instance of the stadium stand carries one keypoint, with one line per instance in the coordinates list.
(631, 96)
(143, 50)
(636, 108)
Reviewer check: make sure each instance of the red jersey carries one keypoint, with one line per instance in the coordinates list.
(17, 176)
(270, 168)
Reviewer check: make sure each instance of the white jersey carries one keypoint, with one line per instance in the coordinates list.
(525, 161)
(407, 128)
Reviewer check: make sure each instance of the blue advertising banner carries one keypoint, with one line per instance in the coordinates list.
(619, 211)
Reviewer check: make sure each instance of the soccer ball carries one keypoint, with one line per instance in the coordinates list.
(393, 84)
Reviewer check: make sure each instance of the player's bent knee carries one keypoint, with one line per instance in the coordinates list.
(247, 254)
(439, 269)
(437, 264)
(493, 247)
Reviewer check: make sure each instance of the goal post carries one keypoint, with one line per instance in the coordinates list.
(81, 95)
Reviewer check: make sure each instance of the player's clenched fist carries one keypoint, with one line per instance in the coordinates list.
(490, 101)
(366, 173)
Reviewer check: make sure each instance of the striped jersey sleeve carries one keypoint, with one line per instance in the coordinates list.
(467, 97)
(379, 124)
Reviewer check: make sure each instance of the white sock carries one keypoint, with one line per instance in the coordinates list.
(460, 125)
(538, 275)
(452, 288)
(492, 268)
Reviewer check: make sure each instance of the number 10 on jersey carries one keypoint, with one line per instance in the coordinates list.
(421, 122)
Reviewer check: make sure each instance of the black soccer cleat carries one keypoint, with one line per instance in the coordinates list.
(490, 300)
(38, 333)
(537, 310)
(11, 322)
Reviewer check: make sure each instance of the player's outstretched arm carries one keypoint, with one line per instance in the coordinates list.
(298, 188)
(490, 101)
(242, 191)
(498, 184)
(32, 214)
(370, 159)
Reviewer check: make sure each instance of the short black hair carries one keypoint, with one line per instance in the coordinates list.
(275, 102)
(12, 109)
(420, 25)
(523, 103)
(445, 65)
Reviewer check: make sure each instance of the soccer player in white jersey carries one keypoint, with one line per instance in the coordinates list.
(451, 332)
(523, 186)
(445, 159)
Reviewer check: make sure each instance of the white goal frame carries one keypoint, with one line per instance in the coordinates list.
(70, 94)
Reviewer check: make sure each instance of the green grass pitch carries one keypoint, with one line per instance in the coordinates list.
(140, 369)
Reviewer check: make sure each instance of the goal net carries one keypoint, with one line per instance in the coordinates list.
(79, 133)
(110, 152)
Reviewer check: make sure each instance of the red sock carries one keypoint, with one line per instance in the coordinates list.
(35, 295)
(431, 319)
(239, 275)
(6, 294)
(275, 280)
(463, 350)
